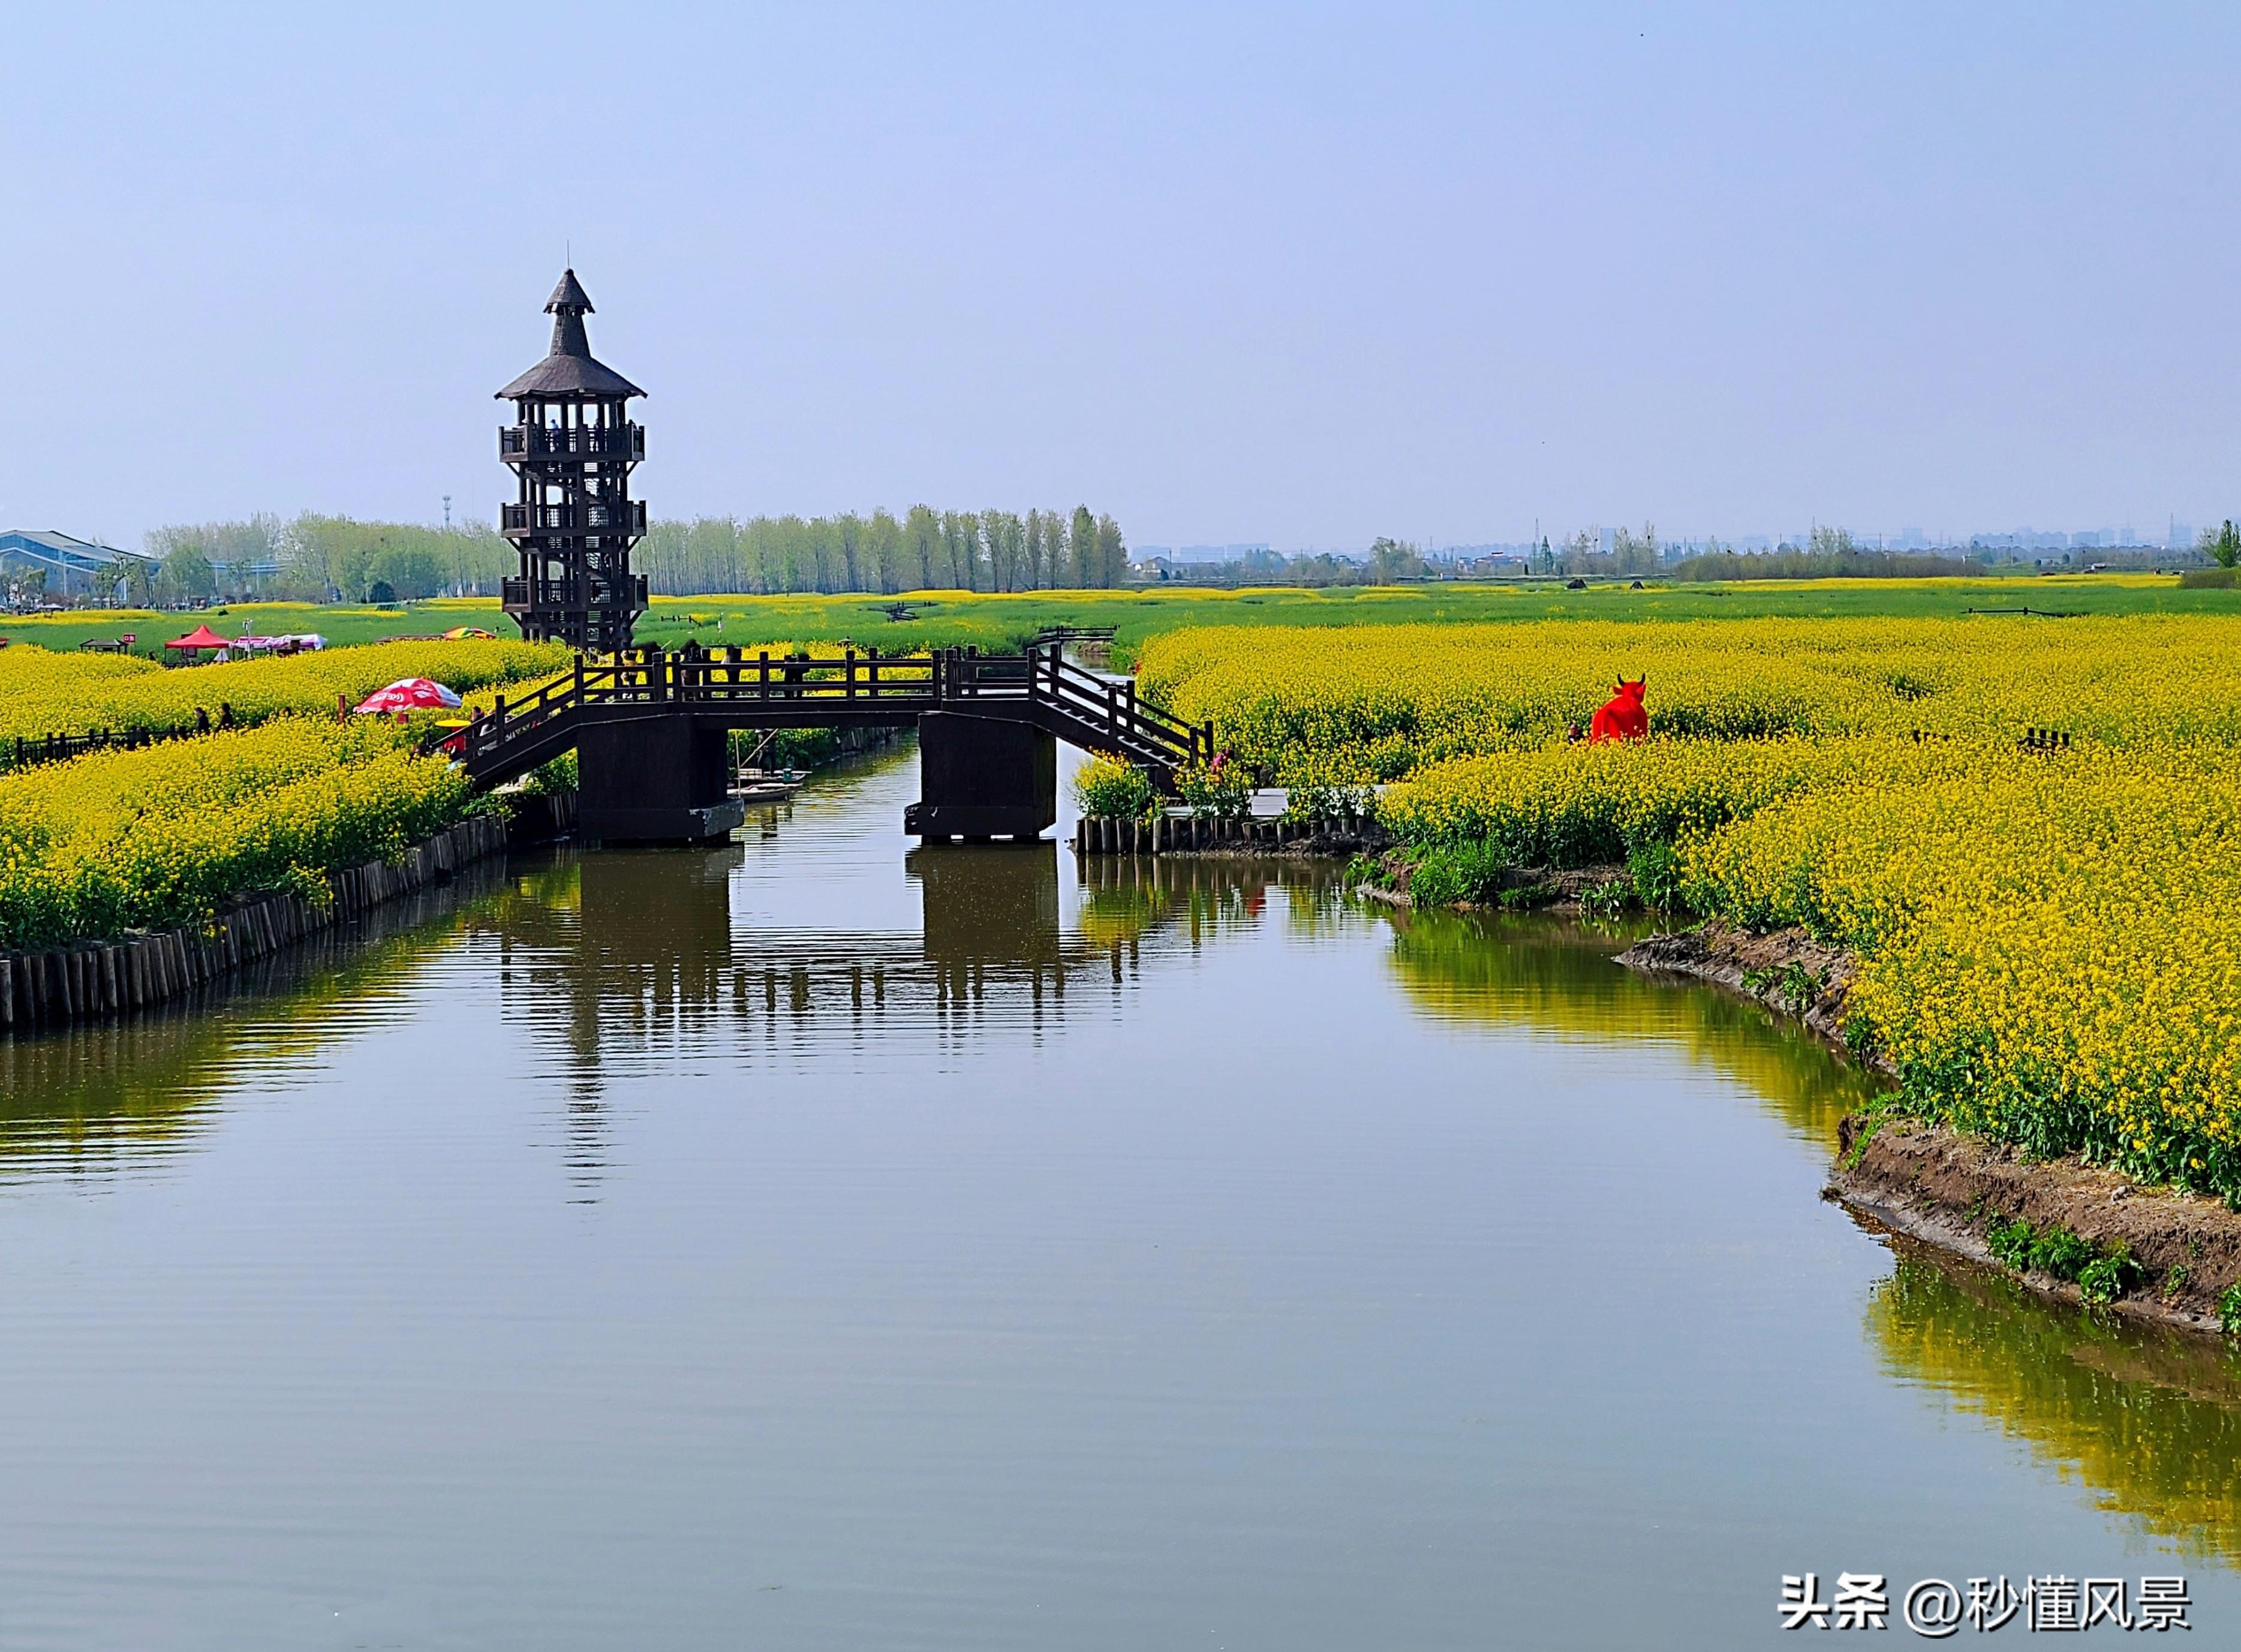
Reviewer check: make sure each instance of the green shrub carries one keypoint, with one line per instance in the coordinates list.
(1656, 869)
(2107, 1277)
(1105, 786)
(2058, 1252)
(1453, 872)
(2012, 1243)
(1610, 897)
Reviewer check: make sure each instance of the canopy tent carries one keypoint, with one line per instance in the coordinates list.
(201, 637)
(407, 694)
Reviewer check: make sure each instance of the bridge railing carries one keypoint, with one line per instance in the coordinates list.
(851, 682)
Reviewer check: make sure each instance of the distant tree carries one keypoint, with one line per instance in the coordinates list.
(883, 553)
(1831, 542)
(185, 574)
(1082, 541)
(1112, 554)
(1634, 554)
(2221, 547)
(1036, 570)
(140, 576)
(411, 568)
(1392, 559)
(961, 549)
(1058, 555)
(1003, 552)
(921, 546)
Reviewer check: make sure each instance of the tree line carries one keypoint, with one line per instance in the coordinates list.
(323, 558)
(318, 558)
(922, 550)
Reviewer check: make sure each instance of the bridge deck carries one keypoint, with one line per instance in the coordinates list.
(732, 690)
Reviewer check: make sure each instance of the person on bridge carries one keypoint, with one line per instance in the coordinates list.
(1621, 718)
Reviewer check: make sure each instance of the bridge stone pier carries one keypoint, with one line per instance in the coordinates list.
(651, 730)
(656, 780)
(980, 778)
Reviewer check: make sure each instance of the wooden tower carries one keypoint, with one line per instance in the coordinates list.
(571, 448)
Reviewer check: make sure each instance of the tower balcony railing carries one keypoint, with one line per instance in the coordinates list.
(572, 595)
(545, 441)
(621, 517)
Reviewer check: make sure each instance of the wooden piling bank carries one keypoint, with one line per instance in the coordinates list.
(86, 980)
(1165, 834)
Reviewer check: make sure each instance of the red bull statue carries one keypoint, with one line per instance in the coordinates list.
(1622, 718)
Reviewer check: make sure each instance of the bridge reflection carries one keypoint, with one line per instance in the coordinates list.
(625, 959)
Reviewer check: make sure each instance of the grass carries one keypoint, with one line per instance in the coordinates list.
(2100, 1275)
(341, 625)
(943, 618)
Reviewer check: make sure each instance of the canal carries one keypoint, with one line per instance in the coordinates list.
(824, 1242)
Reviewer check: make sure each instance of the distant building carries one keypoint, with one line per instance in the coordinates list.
(74, 568)
(1493, 564)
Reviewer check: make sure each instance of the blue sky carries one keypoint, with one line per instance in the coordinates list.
(1305, 275)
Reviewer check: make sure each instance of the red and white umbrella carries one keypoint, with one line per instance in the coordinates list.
(408, 694)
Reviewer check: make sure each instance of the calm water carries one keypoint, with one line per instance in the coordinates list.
(823, 1243)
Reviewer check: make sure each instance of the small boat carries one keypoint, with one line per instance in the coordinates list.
(768, 786)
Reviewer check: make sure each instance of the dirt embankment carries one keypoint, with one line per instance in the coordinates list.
(1789, 969)
(1947, 1189)
(1926, 1181)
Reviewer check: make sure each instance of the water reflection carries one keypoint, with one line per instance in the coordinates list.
(1558, 976)
(79, 1100)
(2149, 1418)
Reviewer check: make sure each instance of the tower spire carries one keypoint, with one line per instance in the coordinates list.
(568, 306)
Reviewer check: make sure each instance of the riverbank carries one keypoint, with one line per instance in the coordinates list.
(88, 979)
(2177, 1254)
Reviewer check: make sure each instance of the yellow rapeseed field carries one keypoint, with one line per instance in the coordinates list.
(44, 693)
(1398, 695)
(167, 834)
(2049, 941)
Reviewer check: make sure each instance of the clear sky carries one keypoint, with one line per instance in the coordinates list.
(1293, 274)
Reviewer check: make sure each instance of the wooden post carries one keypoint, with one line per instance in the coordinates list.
(850, 657)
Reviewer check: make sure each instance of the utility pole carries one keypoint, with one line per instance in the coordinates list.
(447, 513)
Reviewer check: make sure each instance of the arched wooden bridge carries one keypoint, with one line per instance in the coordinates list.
(651, 727)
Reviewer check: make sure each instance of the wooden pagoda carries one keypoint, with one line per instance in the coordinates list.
(571, 448)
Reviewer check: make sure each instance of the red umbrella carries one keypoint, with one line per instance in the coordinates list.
(408, 694)
(201, 637)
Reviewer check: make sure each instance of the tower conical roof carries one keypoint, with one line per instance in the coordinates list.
(569, 295)
(568, 368)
